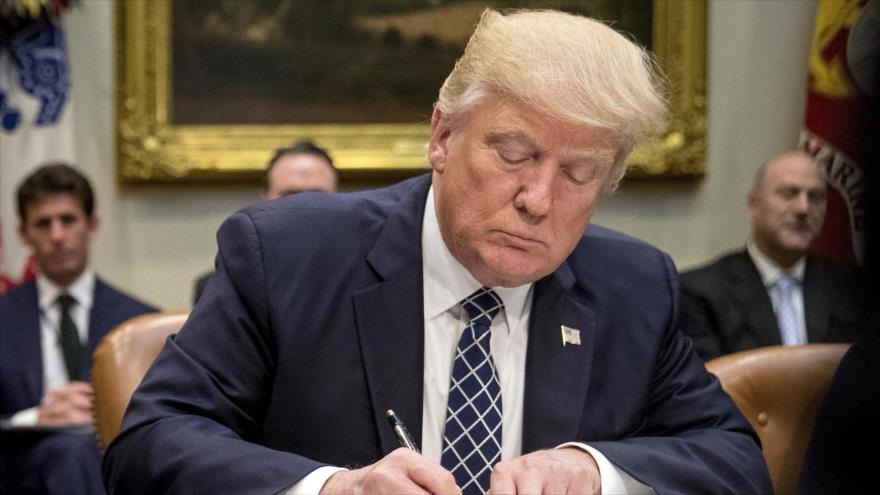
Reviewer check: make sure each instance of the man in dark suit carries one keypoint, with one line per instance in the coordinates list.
(524, 355)
(50, 327)
(295, 169)
(774, 292)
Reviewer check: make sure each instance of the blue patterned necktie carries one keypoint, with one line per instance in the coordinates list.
(472, 436)
(785, 313)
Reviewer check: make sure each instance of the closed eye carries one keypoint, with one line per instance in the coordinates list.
(513, 158)
(572, 177)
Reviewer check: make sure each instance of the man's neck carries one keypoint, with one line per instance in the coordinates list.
(784, 259)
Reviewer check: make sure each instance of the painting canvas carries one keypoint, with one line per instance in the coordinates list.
(209, 87)
(342, 61)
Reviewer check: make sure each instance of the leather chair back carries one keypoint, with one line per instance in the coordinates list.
(779, 390)
(119, 364)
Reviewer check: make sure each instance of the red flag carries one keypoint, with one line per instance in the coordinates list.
(30, 271)
(836, 129)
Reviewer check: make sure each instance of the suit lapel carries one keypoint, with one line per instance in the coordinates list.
(557, 376)
(390, 319)
(817, 305)
(750, 296)
(29, 351)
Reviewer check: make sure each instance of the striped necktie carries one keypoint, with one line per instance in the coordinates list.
(785, 312)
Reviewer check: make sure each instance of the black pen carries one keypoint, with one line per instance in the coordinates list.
(400, 430)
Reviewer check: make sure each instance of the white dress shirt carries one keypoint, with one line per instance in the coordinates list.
(445, 284)
(54, 369)
(770, 273)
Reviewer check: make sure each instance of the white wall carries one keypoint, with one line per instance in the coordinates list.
(156, 239)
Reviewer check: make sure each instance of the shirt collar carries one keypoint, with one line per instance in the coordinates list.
(770, 271)
(82, 289)
(447, 282)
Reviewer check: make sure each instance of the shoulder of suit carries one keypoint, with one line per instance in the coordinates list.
(610, 247)
(732, 261)
(20, 294)
(368, 204)
(112, 296)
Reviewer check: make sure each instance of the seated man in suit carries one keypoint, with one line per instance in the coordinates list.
(50, 327)
(299, 168)
(774, 292)
(524, 355)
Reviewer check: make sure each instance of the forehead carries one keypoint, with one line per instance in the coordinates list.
(54, 204)
(797, 170)
(497, 119)
(300, 165)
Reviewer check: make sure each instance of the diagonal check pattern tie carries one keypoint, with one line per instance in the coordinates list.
(70, 344)
(472, 435)
(785, 313)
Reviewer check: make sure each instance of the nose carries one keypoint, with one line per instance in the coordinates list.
(802, 203)
(56, 230)
(535, 194)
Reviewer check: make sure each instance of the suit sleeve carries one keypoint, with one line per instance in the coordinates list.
(193, 422)
(697, 319)
(694, 439)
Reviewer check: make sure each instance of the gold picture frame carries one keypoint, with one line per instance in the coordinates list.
(152, 149)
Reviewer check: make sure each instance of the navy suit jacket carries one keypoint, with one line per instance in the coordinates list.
(21, 357)
(726, 308)
(313, 326)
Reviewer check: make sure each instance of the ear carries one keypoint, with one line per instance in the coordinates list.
(22, 234)
(439, 143)
(94, 223)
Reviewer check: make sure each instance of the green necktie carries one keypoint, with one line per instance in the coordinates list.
(70, 344)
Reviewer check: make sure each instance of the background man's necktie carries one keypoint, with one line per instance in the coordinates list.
(785, 313)
(70, 344)
(472, 436)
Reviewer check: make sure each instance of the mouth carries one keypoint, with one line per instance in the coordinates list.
(520, 239)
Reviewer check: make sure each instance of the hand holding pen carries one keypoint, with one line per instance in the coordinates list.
(401, 471)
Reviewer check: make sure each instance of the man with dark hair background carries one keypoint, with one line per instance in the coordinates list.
(49, 328)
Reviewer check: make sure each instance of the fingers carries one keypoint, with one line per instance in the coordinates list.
(432, 477)
(71, 404)
(401, 471)
(555, 471)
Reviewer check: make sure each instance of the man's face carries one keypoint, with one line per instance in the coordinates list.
(58, 232)
(297, 173)
(516, 188)
(788, 208)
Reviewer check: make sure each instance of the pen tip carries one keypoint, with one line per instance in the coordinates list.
(389, 413)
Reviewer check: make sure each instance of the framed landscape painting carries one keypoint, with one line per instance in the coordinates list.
(208, 89)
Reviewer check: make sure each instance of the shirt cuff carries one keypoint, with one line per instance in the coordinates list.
(614, 481)
(25, 417)
(313, 482)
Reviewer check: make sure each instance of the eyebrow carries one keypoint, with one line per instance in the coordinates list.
(592, 154)
(522, 137)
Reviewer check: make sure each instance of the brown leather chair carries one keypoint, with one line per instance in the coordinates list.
(120, 362)
(779, 390)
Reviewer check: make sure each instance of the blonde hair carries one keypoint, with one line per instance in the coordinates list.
(572, 67)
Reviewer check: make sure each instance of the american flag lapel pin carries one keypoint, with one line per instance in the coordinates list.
(570, 336)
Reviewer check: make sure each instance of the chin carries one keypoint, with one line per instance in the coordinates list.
(506, 276)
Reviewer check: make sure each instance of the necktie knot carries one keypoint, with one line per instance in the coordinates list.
(786, 283)
(66, 301)
(482, 306)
